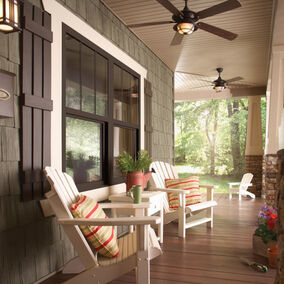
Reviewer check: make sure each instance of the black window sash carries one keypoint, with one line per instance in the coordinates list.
(108, 122)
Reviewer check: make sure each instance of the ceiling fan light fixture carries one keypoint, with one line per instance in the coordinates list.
(185, 28)
(219, 88)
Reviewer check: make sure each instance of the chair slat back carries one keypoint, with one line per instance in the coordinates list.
(66, 193)
(247, 178)
(162, 171)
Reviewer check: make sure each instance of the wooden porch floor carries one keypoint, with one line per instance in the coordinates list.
(207, 256)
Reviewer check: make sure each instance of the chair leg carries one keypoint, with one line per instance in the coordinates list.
(181, 222)
(143, 262)
(210, 215)
(230, 193)
(240, 195)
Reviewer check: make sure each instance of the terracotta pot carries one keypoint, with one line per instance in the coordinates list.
(272, 254)
(259, 247)
(137, 178)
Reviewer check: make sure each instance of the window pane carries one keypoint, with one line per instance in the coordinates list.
(101, 85)
(72, 73)
(88, 79)
(123, 140)
(134, 97)
(83, 150)
(126, 96)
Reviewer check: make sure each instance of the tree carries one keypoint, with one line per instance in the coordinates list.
(233, 111)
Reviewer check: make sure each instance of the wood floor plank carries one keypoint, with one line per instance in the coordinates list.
(207, 256)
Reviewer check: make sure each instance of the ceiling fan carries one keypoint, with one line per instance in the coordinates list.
(219, 84)
(187, 21)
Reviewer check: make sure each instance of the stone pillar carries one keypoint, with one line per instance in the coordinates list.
(254, 151)
(280, 225)
(269, 185)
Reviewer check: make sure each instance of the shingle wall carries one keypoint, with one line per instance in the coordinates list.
(32, 246)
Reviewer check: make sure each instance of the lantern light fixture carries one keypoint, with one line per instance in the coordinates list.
(219, 88)
(9, 16)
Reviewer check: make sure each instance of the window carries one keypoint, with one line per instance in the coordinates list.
(100, 112)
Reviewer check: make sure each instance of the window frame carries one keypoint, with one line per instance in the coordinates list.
(108, 122)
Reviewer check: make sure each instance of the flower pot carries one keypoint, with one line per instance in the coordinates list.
(137, 178)
(259, 247)
(272, 254)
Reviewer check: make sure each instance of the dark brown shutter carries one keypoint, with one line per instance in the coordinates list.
(36, 103)
(148, 116)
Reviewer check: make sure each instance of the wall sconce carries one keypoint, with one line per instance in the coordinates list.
(9, 16)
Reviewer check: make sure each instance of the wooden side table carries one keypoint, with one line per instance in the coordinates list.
(155, 198)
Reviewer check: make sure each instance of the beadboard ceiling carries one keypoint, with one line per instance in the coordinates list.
(201, 53)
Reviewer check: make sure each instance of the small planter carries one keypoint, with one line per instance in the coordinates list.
(272, 254)
(259, 247)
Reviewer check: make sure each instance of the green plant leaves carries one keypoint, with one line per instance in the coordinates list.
(127, 164)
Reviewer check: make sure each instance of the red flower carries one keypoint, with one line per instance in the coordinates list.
(271, 221)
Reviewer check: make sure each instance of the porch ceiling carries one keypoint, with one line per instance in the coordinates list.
(201, 52)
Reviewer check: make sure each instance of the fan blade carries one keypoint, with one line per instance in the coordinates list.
(239, 86)
(195, 74)
(234, 79)
(168, 5)
(177, 39)
(199, 87)
(217, 31)
(219, 8)
(149, 24)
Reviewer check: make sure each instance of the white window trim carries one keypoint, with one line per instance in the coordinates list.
(60, 15)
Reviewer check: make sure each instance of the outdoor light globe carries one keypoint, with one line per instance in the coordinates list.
(219, 89)
(185, 28)
(9, 15)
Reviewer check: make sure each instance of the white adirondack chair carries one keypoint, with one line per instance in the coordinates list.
(136, 249)
(241, 188)
(164, 171)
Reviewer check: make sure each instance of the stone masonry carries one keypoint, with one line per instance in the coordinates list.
(280, 225)
(253, 164)
(269, 186)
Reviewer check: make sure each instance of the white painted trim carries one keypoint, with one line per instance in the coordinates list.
(61, 15)
(274, 107)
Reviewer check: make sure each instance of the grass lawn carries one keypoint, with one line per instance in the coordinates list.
(220, 181)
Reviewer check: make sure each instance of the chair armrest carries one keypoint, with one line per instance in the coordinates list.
(234, 183)
(143, 205)
(123, 221)
(246, 184)
(208, 186)
(174, 190)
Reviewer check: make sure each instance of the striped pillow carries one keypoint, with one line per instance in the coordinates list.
(101, 238)
(191, 183)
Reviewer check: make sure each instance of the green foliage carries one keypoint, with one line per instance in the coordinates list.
(127, 164)
(265, 233)
(192, 145)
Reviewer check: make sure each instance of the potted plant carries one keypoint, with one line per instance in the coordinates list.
(265, 234)
(134, 168)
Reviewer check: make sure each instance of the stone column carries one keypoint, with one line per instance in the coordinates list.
(254, 151)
